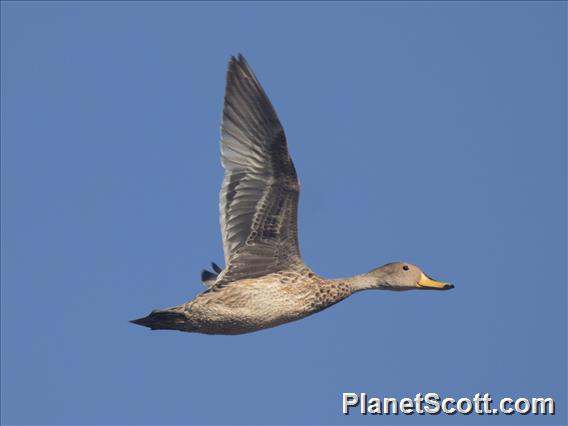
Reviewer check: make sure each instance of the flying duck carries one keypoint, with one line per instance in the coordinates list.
(265, 283)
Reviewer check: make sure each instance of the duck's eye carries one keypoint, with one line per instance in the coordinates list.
(405, 267)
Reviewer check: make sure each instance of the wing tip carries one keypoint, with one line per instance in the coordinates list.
(238, 63)
(238, 58)
(208, 278)
(216, 268)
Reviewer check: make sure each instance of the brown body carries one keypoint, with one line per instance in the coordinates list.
(254, 304)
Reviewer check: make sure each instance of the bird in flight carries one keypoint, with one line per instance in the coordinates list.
(265, 283)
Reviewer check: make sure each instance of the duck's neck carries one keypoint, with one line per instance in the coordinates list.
(368, 281)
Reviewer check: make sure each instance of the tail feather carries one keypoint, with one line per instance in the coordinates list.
(163, 320)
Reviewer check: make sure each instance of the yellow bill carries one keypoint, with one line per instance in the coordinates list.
(428, 283)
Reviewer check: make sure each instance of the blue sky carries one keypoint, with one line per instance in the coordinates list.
(433, 133)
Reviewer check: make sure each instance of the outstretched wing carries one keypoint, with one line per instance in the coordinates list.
(259, 195)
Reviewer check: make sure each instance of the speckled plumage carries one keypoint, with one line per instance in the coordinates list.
(264, 283)
(258, 303)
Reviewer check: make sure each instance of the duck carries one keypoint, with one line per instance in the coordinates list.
(265, 282)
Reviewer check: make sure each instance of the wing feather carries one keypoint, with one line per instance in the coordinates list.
(260, 190)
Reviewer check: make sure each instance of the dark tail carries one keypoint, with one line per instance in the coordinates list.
(164, 320)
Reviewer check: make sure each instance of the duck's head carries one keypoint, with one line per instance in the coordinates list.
(405, 276)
